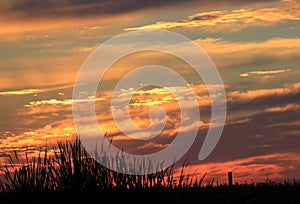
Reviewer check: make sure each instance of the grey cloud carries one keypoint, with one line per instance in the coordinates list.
(71, 8)
(78, 8)
(206, 16)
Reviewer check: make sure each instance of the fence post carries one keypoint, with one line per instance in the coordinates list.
(229, 178)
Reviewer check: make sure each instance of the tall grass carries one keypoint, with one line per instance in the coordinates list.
(56, 177)
(71, 168)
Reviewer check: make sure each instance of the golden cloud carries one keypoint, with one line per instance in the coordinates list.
(233, 21)
(46, 135)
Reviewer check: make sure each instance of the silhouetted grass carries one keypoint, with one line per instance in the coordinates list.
(71, 168)
(70, 174)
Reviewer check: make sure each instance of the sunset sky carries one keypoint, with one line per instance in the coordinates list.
(254, 44)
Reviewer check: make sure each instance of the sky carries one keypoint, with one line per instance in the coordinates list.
(254, 45)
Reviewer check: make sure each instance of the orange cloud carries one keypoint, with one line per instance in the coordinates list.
(142, 102)
(48, 135)
(233, 21)
(32, 141)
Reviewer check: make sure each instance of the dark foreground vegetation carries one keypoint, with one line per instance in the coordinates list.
(70, 175)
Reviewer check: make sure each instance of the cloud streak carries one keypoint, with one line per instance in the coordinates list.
(227, 54)
(233, 21)
(20, 92)
(269, 72)
(288, 107)
(249, 95)
(61, 102)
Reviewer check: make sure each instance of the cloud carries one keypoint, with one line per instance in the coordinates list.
(49, 134)
(73, 8)
(233, 21)
(61, 102)
(269, 72)
(239, 149)
(228, 54)
(20, 92)
(49, 70)
(225, 54)
(288, 107)
(152, 145)
(285, 124)
(20, 16)
(142, 102)
(36, 91)
(145, 99)
(245, 96)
